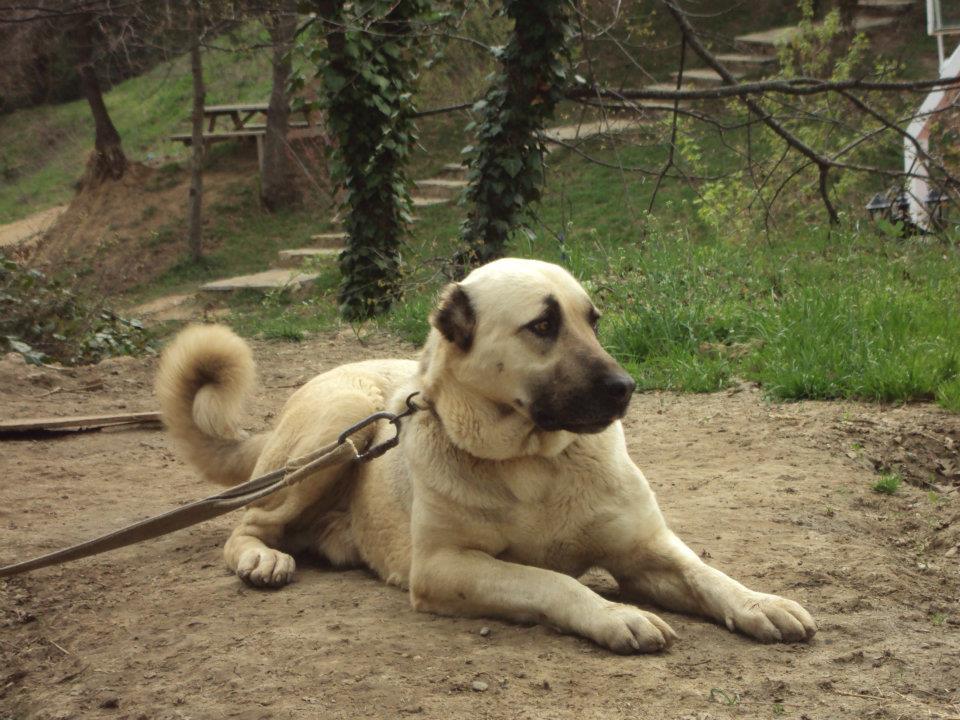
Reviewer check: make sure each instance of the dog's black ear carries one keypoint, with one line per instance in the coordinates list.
(454, 317)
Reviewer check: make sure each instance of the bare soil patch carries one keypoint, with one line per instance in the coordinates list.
(125, 233)
(14, 234)
(774, 494)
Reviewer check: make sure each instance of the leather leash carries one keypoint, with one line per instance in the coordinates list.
(341, 451)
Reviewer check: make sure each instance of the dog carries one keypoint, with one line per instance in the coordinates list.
(511, 482)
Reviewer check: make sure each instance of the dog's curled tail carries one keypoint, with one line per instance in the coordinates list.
(205, 375)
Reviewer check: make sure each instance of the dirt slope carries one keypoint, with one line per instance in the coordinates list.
(23, 231)
(774, 494)
(124, 233)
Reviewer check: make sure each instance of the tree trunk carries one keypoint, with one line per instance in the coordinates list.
(196, 163)
(108, 160)
(278, 186)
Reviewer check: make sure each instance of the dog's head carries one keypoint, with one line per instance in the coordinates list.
(523, 335)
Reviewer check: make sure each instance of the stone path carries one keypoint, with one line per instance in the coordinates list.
(583, 131)
(31, 227)
(169, 307)
(783, 35)
(276, 278)
(294, 257)
(756, 55)
(708, 76)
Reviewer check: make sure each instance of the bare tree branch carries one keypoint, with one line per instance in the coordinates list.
(823, 164)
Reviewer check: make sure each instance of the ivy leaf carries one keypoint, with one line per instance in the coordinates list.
(512, 165)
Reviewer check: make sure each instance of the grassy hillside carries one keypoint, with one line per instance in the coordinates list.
(43, 149)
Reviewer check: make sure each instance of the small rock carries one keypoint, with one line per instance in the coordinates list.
(951, 552)
(478, 686)
(484, 632)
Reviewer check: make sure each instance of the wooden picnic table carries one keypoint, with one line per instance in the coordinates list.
(240, 115)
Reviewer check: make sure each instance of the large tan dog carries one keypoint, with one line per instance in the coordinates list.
(512, 482)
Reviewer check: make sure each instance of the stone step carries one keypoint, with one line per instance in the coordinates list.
(783, 35)
(586, 130)
(671, 87)
(275, 279)
(329, 240)
(892, 6)
(440, 187)
(707, 76)
(457, 170)
(169, 307)
(294, 257)
(746, 61)
(420, 201)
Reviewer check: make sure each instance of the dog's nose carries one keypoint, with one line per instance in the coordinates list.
(619, 386)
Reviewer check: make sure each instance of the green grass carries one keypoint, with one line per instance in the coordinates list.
(888, 484)
(808, 312)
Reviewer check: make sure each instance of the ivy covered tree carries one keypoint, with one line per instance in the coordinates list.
(506, 166)
(368, 67)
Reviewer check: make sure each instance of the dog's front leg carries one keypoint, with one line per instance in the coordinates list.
(454, 581)
(662, 569)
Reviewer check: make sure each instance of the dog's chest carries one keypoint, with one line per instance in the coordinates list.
(555, 518)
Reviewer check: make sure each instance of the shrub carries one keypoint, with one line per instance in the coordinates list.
(43, 320)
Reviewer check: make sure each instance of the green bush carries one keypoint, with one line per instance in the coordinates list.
(43, 320)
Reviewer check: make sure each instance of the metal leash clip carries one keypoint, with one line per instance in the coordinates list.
(394, 419)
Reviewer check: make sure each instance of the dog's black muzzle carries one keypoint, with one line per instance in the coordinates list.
(587, 409)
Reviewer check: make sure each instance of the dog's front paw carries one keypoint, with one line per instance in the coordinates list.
(265, 567)
(770, 618)
(626, 629)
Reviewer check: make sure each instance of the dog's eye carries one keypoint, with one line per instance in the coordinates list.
(542, 328)
(594, 320)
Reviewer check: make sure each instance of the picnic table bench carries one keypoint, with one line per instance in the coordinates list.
(240, 115)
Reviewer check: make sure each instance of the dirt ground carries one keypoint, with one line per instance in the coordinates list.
(778, 495)
(120, 234)
(23, 231)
